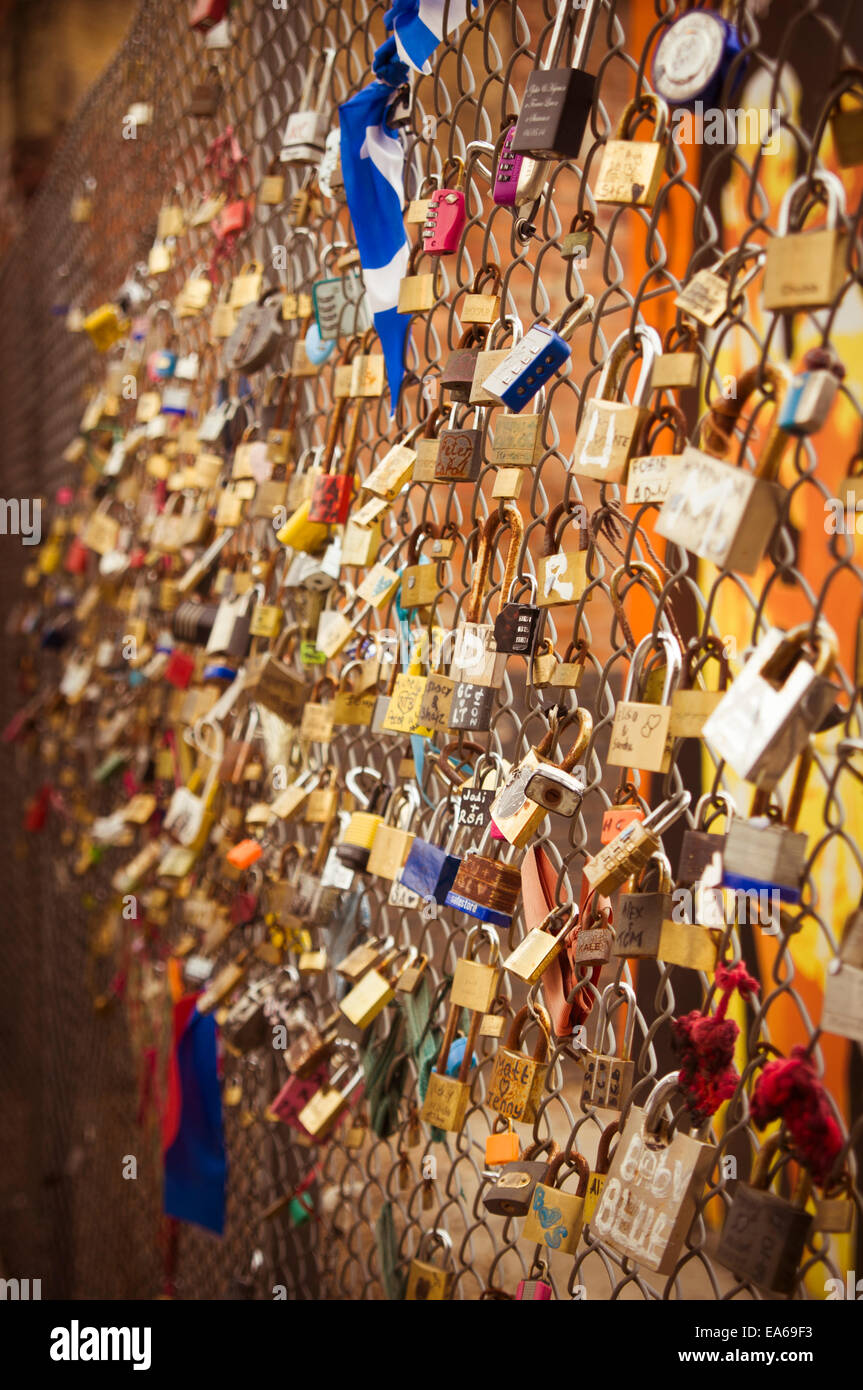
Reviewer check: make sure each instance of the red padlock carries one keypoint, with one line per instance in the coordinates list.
(446, 215)
(179, 669)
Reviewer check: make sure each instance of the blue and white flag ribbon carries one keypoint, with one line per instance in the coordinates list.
(418, 28)
(373, 171)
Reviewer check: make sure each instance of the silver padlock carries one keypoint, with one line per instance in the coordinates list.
(610, 427)
(608, 1078)
(812, 392)
(782, 695)
(304, 140)
(331, 180)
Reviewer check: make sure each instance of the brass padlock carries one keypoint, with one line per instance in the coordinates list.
(320, 1115)
(642, 909)
(447, 1097)
(375, 989)
(608, 1078)
(475, 983)
(806, 270)
(640, 733)
(556, 1217)
(632, 847)
(764, 1236)
(517, 1081)
(609, 427)
(428, 1282)
(630, 170)
(717, 290)
(561, 575)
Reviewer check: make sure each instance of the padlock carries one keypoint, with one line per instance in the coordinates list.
(417, 291)
(428, 1282)
(777, 702)
(430, 869)
(332, 493)
(576, 244)
(764, 1235)
(331, 179)
(516, 816)
(642, 909)
(485, 888)
(599, 1173)
(376, 988)
(630, 170)
(475, 656)
(533, 361)
(518, 1081)
(447, 1097)
(420, 586)
(649, 475)
(364, 956)
(691, 704)
(561, 573)
(458, 371)
(813, 389)
(633, 846)
(446, 214)
(842, 1010)
(594, 936)
(514, 173)
(206, 95)
(512, 1192)
(541, 945)
(718, 290)
(556, 1217)
(609, 428)
(517, 624)
(501, 1146)
(341, 306)
(474, 984)
(700, 849)
(720, 512)
(306, 131)
(517, 441)
(640, 733)
(459, 450)
(531, 1290)
(355, 845)
(326, 1107)
(393, 840)
(764, 853)
(557, 102)
(806, 270)
(389, 476)
(655, 1178)
(693, 58)
(679, 367)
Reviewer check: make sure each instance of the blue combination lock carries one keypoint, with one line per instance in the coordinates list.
(533, 361)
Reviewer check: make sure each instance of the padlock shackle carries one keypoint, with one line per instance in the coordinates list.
(434, 1237)
(519, 1024)
(717, 428)
(577, 1162)
(584, 719)
(603, 1152)
(658, 860)
(667, 812)
(610, 378)
(826, 189)
(638, 108)
(480, 930)
(620, 991)
(673, 666)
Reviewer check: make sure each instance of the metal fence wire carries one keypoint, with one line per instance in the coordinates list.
(85, 993)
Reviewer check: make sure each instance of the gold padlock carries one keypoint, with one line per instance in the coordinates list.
(517, 1081)
(805, 270)
(630, 170)
(474, 984)
(427, 1282)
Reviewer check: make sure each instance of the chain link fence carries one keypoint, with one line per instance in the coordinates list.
(80, 1077)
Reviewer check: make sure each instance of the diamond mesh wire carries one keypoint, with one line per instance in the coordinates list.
(77, 1076)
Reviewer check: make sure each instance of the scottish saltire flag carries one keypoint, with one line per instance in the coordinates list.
(418, 29)
(373, 171)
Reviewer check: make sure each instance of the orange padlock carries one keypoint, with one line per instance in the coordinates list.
(501, 1146)
(245, 854)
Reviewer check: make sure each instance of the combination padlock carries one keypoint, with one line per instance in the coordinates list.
(446, 214)
(517, 624)
(533, 360)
